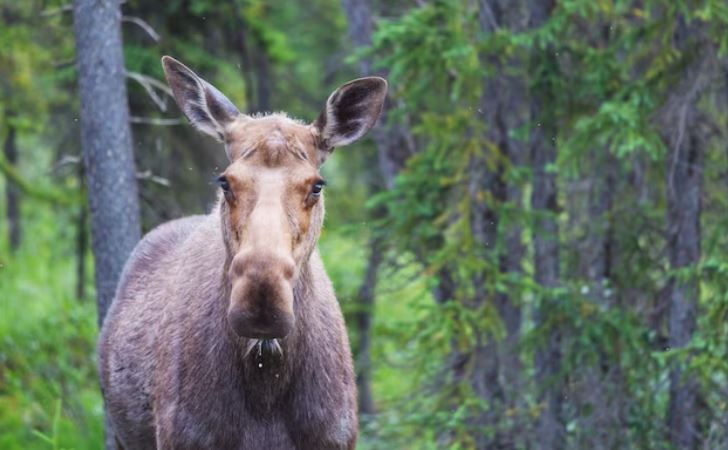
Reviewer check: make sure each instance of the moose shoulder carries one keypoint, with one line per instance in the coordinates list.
(225, 332)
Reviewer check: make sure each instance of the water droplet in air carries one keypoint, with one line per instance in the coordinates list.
(260, 364)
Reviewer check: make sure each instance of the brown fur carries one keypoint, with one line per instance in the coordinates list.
(186, 359)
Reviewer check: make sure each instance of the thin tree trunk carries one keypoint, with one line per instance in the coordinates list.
(683, 186)
(263, 81)
(107, 146)
(394, 141)
(603, 382)
(550, 432)
(484, 222)
(485, 373)
(546, 264)
(12, 192)
(81, 238)
(240, 38)
(393, 148)
(504, 107)
(363, 319)
(550, 429)
(683, 135)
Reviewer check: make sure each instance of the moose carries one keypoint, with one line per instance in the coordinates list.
(225, 332)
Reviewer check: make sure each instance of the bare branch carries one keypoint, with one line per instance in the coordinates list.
(155, 121)
(64, 63)
(66, 160)
(56, 11)
(143, 25)
(149, 84)
(147, 175)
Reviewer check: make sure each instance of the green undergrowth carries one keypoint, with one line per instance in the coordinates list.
(49, 396)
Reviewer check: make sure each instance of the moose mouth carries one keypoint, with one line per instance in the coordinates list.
(261, 347)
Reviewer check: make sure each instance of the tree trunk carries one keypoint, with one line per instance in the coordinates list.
(546, 265)
(504, 107)
(107, 146)
(485, 374)
(240, 38)
(263, 77)
(12, 192)
(394, 141)
(684, 186)
(393, 148)
(683, 134)
(106, 141)
(550, 431)
(363, 319)
(601, 384)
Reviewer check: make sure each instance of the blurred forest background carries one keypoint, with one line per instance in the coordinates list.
(531, 251)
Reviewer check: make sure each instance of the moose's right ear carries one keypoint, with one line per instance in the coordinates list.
(205, 107)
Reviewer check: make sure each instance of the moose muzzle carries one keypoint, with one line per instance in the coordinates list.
(261, 298)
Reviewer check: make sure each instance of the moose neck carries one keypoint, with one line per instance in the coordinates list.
(266, 366)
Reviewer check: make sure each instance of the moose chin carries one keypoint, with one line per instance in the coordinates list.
(225, 332)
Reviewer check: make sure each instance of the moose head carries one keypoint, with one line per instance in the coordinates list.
(271, 201)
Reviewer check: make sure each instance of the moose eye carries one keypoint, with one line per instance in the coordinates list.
(223, 182)
(317, 187)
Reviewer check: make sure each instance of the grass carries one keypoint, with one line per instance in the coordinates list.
(49, 397)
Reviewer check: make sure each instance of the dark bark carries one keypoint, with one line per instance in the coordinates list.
(504, 107)
(81, 238)
(683, 133)
(394, 146)
(600, 227)
(602, 383)
(550, 431)
(363, 319)
(394, 141)
(683, 187)
(546, 273)
(485, 372)
(240, 38)
(254, 64)
(263, 81)
(12, 192)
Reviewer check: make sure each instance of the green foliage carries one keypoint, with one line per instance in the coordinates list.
(49, 395)
(607, 68)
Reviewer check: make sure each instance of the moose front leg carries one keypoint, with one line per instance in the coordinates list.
(323, 419)
(322, 409)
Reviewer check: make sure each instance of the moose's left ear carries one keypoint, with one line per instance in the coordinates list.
(351, 111)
